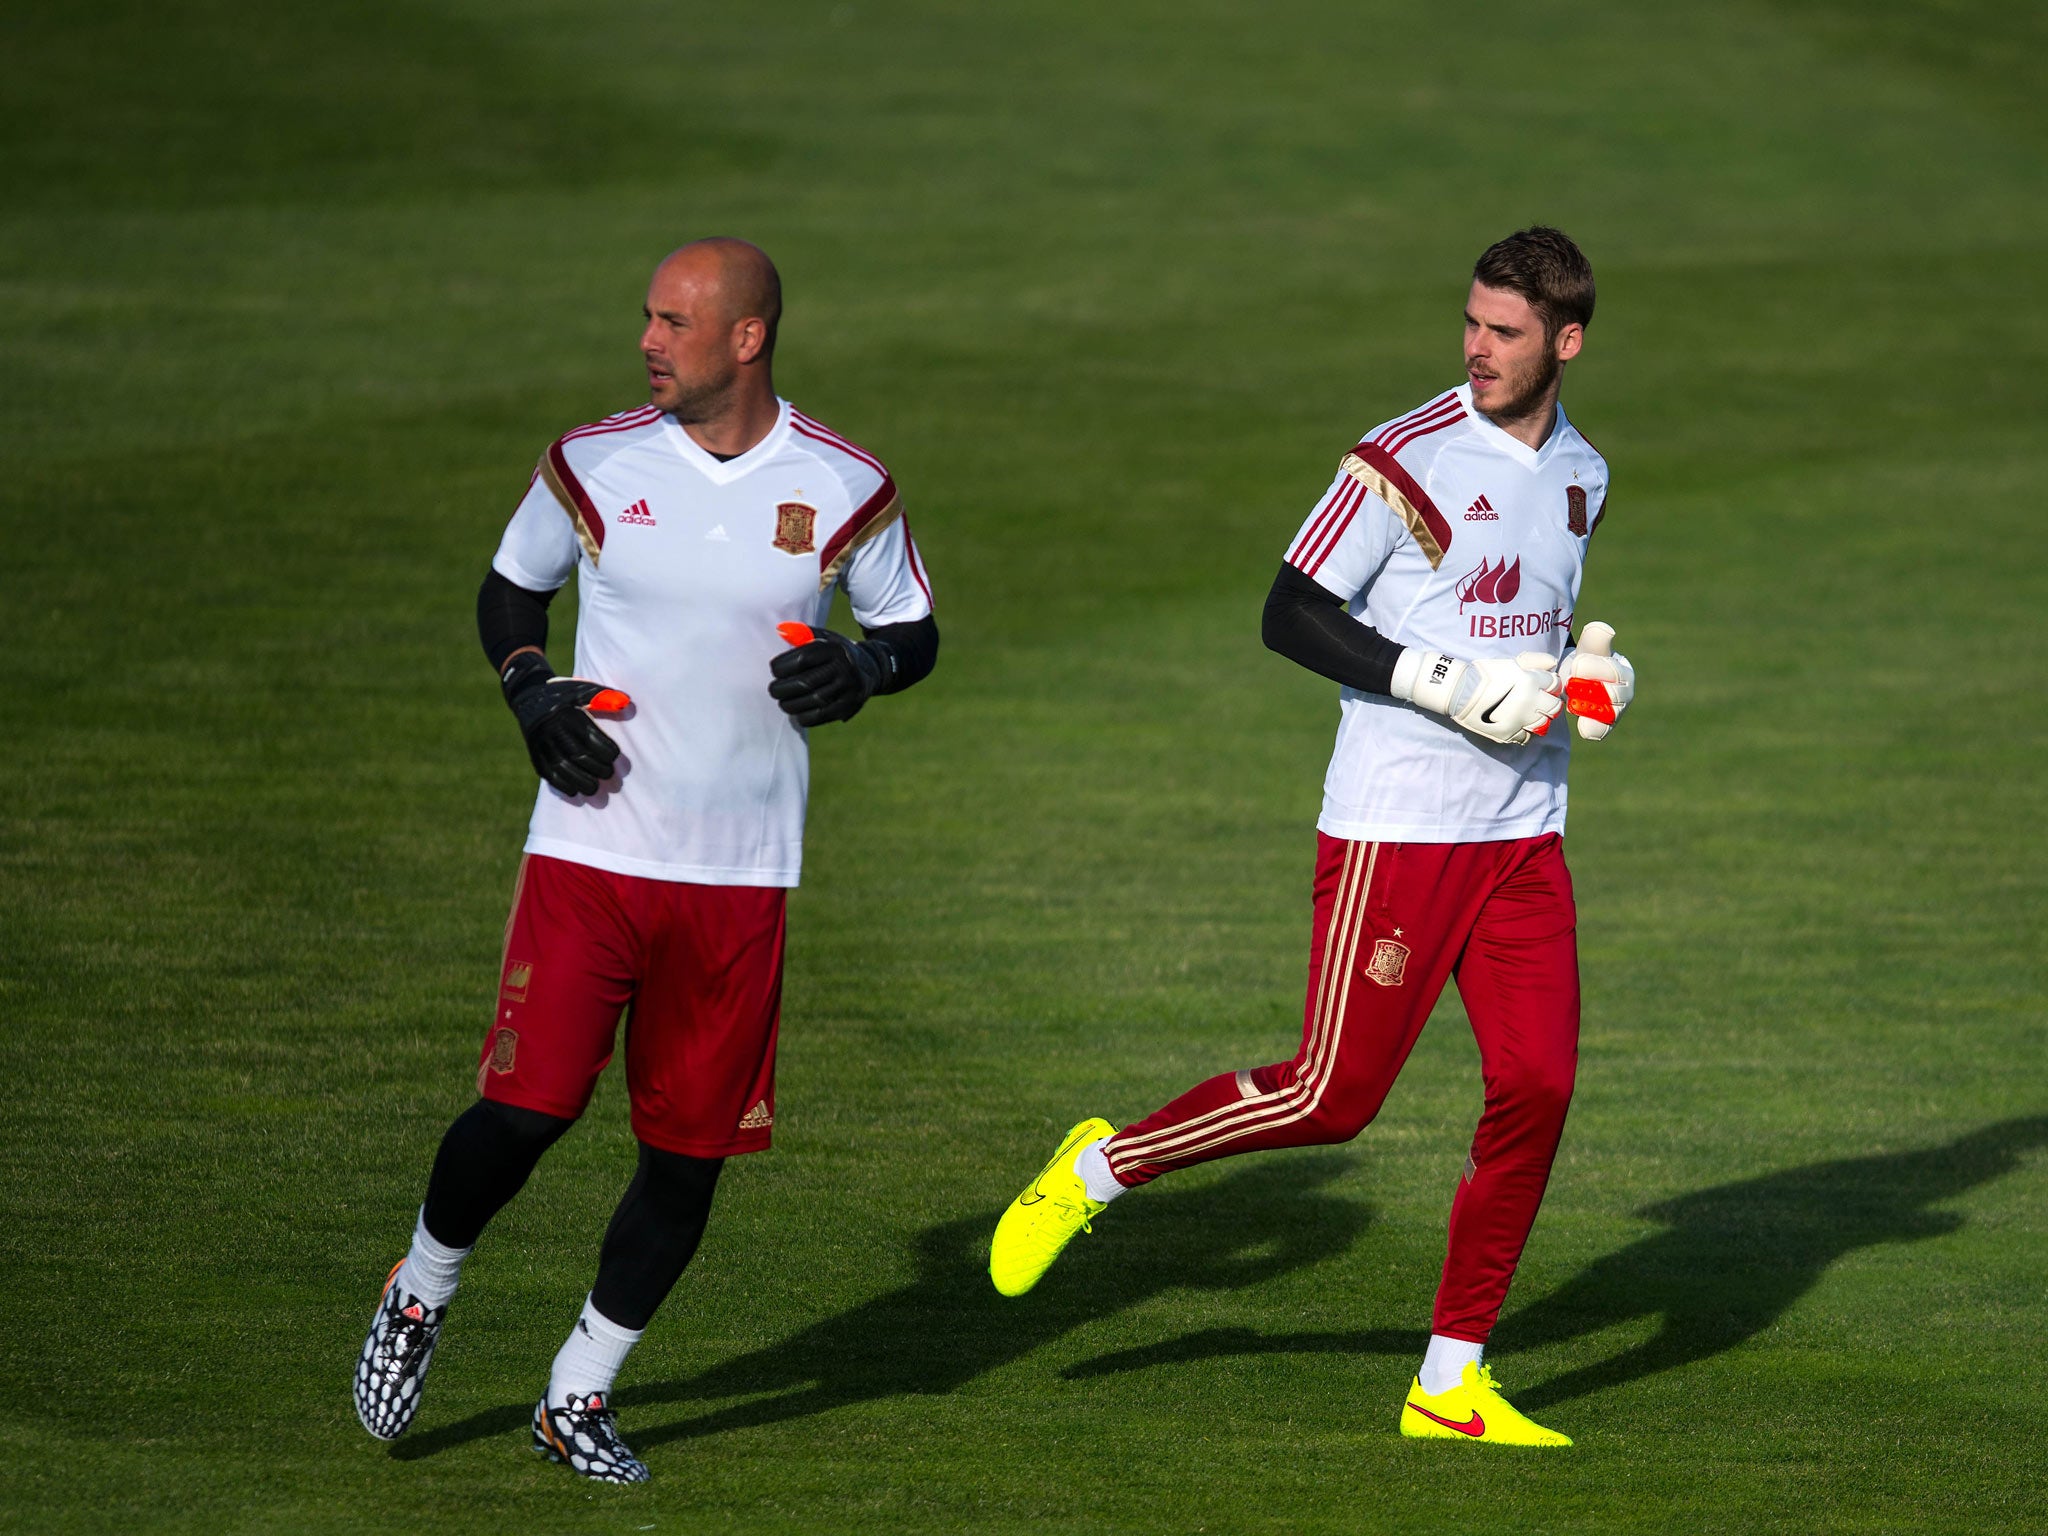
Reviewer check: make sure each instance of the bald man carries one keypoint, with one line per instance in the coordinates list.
(708, 531)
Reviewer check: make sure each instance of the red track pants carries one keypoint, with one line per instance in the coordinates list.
(1393, 922)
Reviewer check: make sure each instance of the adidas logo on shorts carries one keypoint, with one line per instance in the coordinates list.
(758, 1118)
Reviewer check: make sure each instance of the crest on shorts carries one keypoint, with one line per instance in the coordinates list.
(1389, 963)
(504, 1046)
(796, 528)
(518, 977)
(1575, 510)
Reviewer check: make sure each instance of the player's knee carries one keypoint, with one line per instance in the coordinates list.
(529, 1129)
(1535, 1087)
(1328, 1123)
(676, 1185)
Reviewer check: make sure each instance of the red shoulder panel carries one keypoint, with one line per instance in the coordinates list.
(1380, 459)
(588, 524)
(850, 531)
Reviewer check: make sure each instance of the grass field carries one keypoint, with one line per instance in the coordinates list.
(290, 302)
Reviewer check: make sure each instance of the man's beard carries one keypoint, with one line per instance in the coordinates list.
(1525, 401)
(700, 402)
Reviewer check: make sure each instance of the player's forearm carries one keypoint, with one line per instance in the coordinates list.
(907, 652)
(510, 619)
(1310, 626)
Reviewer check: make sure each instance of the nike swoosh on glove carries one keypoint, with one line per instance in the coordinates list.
(1501, 700)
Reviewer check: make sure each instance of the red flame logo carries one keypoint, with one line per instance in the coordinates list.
(1490, 583)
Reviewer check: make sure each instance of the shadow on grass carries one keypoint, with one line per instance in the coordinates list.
(1736, 1257)
(1731, 1261)
(947, 1325)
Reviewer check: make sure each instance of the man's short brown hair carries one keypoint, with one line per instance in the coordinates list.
(1546, 268)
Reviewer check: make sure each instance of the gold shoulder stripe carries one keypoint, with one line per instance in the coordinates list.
(1410, 514)
(877, 524)
(584, 535)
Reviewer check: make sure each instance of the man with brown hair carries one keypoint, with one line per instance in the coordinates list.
(1436, 581)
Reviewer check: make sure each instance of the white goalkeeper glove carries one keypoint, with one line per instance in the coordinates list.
(1598, 684)
(1501, 700)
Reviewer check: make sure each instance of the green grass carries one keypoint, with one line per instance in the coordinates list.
(288, 304)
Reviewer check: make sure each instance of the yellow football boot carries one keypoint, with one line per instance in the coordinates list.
(1043, 1220)
(1472, 1410)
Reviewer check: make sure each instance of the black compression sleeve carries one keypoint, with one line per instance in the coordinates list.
(509, 618)
(1306, 623)
(654, 1234)
(483, 1162)
(910, 651)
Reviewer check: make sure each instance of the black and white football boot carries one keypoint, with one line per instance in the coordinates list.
(584, 1433)
(393, 1365)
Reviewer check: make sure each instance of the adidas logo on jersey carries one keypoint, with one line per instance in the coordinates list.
(758, 1118)
(637, 513)
(1481, 511)
(718, 535)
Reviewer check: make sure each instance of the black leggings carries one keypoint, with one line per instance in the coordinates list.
(654, 1233)
(486, 1158)
(483, 1162)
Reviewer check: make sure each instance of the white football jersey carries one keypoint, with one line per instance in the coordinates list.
(1443, 531)
(685, 564)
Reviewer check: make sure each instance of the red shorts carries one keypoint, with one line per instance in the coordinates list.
(701, 968)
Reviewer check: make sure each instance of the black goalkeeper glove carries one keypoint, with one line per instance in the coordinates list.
(567, 748)
(828, 679)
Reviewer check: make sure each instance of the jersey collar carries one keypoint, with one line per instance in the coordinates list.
(1507, 442)
(724, 473)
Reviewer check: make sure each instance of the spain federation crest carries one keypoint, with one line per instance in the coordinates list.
(1575, 510)
(1389, 963)
(796, 528)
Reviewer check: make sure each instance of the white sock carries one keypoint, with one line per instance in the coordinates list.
(431, 1268)
(1443, 1367)
(590, 1360)
(1094, 1170)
